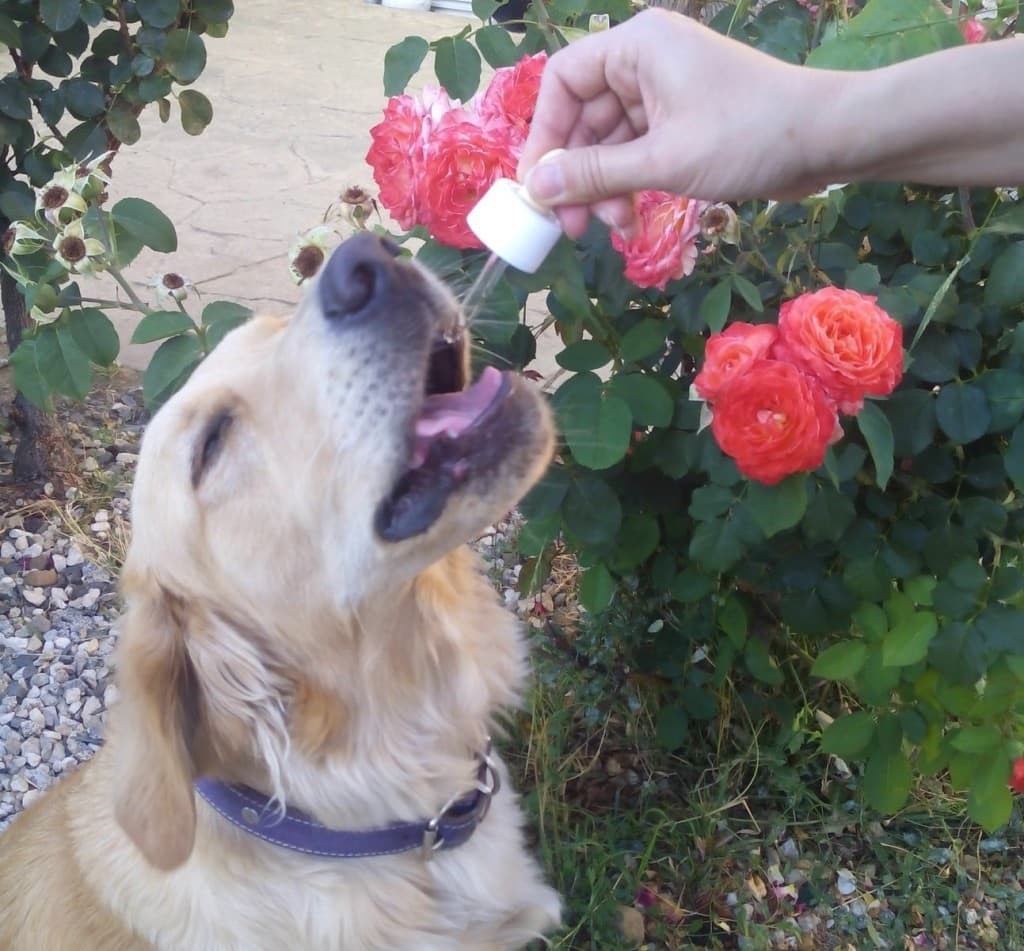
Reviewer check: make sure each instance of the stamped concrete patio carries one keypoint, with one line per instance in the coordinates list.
(295, 89)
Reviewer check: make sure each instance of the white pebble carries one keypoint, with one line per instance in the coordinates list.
(36, 596)
(7, 550)
(102, 515)
(59, 562)
(75, 556)
(62, 643)
(21, 543)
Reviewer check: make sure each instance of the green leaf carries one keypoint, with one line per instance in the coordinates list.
(963, 412)
(877, 434)
(161, 324)
(748, 291)
(147, 223)
(1005, 284)
(848, 735)
(484, 9)
(989, 802)
(497, 47)
(28, 380)
(1011, 221)
(158, 13)
(9, 36)
(977, 739)
(60, 360)
(714, 309)
(596, 425)
(648, 399)
(1014, 458)
(637, 539)
(672, 728)
(60, 15)
(84, 99)
(840, 661)
(583, 355)
(596, 588)
(645, 339)
(401, 63)
(908, 639)
(173, 361)
(184, 55)
(778, 507)
(732, 619)
(691, 585)
(457, 65)
(123, 124)
(14, 99)
(887, 780)
(215, 11)
(95, 335)
(547, 495)
(196, 111)
(886, 32)
(760, 664)
(911, 413)
(591, 510)
(220, 310)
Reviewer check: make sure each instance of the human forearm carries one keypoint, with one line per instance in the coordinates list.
(952, 118)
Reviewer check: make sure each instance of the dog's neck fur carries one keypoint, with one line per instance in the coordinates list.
(288, 727)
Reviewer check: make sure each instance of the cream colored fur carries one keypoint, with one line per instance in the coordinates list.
(271, 638)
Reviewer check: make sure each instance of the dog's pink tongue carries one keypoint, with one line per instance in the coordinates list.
(454, 413)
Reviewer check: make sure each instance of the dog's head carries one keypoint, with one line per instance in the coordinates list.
(307, 466)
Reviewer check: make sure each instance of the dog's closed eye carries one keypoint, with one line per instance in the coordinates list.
(210, 443)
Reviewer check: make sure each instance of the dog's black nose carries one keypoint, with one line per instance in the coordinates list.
(356, 273)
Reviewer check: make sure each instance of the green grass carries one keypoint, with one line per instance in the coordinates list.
(704, 841)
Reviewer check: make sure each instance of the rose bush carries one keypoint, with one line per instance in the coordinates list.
(883, 591)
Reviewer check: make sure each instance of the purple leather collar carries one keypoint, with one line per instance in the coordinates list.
(252, 812)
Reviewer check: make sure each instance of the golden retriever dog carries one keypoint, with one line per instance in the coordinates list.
(304, 627)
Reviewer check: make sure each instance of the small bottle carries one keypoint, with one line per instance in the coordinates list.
(513, 226)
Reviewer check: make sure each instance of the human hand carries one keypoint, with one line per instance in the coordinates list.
(663, 102)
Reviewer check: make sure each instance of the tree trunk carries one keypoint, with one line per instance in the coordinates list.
(30, 462)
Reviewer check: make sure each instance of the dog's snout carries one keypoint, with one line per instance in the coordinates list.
(359, 271)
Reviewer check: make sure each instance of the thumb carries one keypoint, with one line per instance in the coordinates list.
(589, 174)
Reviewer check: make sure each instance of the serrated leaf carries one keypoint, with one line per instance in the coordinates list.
(147, 223)
(648, 400)
(597, 425)
(849, 735)
(196, 111)
(28, 380)
(714, 309)
(908, 639)
(1005, 284)
(989, 801)
(645, 339)
(60, 360)
(671, 728)
(161, 324)
(977, 739)
(962, 412)
(457, 65)
(748, 291)
(877, 434)
(401, 63)
(596, 588)
(95, 335)
(778, 507)
(84, 99)
(887, 780)
(840, 661)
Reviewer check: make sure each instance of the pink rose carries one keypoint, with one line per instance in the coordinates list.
(973, 30)
(463, 159)
(665, 245)
(731, 353)
(511, 95)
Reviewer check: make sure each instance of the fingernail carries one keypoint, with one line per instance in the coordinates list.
(546, 182)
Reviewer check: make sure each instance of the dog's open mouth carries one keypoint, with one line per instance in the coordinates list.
(449, 442)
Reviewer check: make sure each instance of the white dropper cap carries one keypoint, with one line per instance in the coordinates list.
(513, 226)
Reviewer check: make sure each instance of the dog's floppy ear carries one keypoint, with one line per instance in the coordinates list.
(153, 797)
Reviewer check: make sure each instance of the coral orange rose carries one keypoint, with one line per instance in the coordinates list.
(774, 420)
(730, 354)
(664, 247)
(844, 339)
(1017, 775)
(463, 159)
